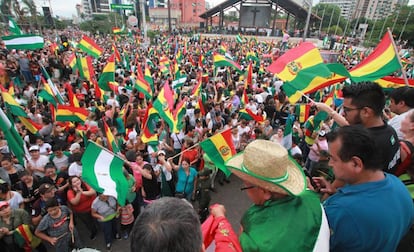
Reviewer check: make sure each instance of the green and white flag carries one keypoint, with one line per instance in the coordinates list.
(23, 42)
(287, 133)
(14, 140)
(179, 81)
(103, 171)
(14, 28)
(239, 39)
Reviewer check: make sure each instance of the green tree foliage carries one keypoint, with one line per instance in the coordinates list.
(102, 23)
(325, 12)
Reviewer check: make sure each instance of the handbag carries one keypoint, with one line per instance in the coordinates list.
(181, 195)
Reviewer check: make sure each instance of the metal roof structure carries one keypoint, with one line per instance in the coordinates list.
(289, 6)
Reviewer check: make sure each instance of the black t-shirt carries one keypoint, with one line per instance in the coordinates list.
(386, 139)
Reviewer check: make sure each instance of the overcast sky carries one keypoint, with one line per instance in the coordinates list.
(66, 8)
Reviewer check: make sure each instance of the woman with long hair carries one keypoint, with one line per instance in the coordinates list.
(80, 196)
(186, 179)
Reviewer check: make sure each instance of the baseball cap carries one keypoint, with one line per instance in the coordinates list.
(74, 146)
(4, 203)
(161, 152)
(34, 148)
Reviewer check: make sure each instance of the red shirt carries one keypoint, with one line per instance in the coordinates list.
(85, 202)
(190, 154)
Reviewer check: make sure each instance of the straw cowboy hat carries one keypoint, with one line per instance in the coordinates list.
(267, 165)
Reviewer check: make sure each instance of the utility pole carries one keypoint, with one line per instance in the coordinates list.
(144, 22)
(169, 16)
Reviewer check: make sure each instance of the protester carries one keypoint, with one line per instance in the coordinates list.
(363, 104)
(106, 210)
(277, 187)
(10, 220)
(80, 196)
(401, 101)
(57, 227)
(186, 179)
(369, 195)
(171, 224)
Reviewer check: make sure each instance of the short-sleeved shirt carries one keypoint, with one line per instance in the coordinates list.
(85, 202)
(16, 200)
(55, 227)
(105, 208)
(185, 181)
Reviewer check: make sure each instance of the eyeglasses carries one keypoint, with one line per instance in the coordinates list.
(247, 187)
(346, 109)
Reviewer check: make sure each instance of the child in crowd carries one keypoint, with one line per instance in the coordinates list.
(57, 227)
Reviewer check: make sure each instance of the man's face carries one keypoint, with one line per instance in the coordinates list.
(393, 106)
(351, 112)
(343, 170)
(255, 194)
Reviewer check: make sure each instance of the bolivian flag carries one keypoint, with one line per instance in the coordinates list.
(220, 148)
(111, 142)
(116, 30)
(381, 62)
(302, 112)
(89, 46)
(178, 115)
(248, 115)
(108, 74)
(30, 125)
(85, 67)
(148, 126)
(144, 87)
(164, 104)
(389, 82)
(71, 114)
(72, 61)
(12, 104)
(221, 61)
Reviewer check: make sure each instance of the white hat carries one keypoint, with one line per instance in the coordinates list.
(161, 152)
(74, 146)
(34, 148)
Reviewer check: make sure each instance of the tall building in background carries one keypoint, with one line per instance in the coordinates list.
(190, 10)
(370, 9)
(92, 7)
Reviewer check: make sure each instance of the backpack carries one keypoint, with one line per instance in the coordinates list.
(408, 148)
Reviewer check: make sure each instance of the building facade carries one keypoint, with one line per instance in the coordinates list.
(370, 9)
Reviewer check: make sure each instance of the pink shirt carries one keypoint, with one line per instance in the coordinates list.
(314, 151)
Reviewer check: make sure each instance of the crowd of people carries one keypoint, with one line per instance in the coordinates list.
(349, 160)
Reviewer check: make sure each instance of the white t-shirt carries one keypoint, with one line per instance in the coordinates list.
(16, 200)
(75, 169)
(178, 139)
(45, 149)
(39, 163)
(168, 175)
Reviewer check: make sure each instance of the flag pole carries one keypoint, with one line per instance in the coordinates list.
(404, 74)
(192, 147)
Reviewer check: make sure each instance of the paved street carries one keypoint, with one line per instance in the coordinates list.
(235, 201)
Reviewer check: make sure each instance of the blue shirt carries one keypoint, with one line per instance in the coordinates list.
(372, 216)
(182, 178)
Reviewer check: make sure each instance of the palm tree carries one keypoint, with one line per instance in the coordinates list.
(5, 8)
(31, 8)
(21, 14)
